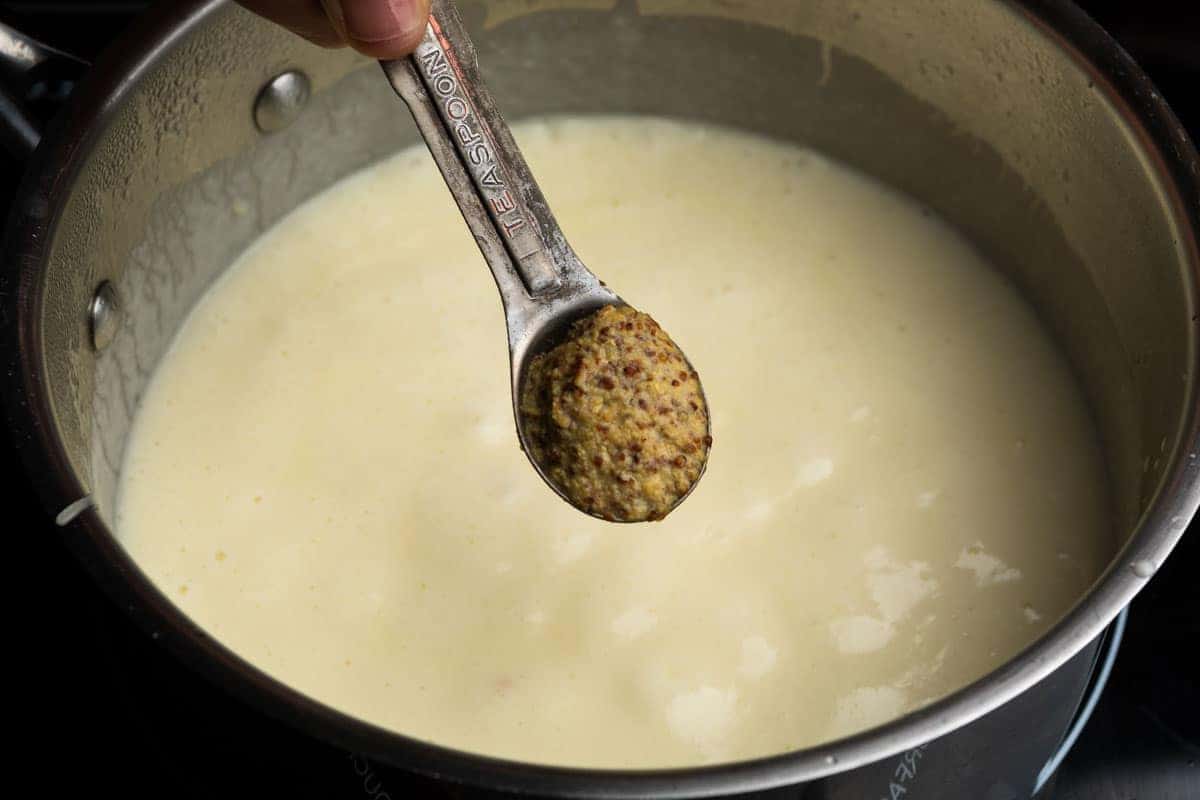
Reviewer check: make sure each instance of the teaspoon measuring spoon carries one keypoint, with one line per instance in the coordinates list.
(543, 285)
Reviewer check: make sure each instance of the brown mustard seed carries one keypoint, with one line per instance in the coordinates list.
(585, 398)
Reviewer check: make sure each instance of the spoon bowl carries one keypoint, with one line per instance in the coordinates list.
(546, 338)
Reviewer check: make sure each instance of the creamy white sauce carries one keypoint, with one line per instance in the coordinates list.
(904, 489)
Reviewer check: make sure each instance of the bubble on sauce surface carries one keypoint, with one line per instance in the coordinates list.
(634, 623)
(758, 657)
(860, 414)
(897, 587)
(759, 511)
(861, 634)
(987, 568)
(814, 471)
(573, 546)
(496, 430)
(703, 717)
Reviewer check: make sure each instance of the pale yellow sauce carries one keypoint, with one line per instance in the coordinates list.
(904, 491)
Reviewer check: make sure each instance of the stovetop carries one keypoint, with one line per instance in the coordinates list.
(111, 712)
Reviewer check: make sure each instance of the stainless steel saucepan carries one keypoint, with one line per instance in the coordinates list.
(1020, 121)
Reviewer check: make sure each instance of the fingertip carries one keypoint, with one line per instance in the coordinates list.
(398, 46)
(384, 28)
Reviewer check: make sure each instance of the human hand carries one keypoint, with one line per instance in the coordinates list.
(376, 28)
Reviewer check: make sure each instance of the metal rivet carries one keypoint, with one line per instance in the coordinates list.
(1143, 568)
(281, 101)
(68, 514)
(104, 315)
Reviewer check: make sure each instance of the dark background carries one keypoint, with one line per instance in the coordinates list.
(102, 711)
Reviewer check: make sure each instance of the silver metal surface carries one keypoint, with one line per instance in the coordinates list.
(281, 101)
(104, 315)
(73, 510)
(449, 75)
(1020, 123)
(19, 131)
(543, 284)
(20, 55)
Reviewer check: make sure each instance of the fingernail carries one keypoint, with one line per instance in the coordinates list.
(374, 21)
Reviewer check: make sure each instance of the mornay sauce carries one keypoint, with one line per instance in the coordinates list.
(906, 488)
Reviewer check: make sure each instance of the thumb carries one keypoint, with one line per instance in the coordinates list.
(379, 28)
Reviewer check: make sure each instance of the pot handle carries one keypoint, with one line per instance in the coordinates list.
(26, 67)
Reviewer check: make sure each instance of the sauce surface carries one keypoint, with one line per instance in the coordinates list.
(905, 491)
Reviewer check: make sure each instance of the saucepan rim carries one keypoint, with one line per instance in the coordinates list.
(31, 228)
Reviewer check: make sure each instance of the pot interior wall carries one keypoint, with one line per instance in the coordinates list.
(966, 106)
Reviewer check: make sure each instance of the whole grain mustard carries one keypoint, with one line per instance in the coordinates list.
(616, 418)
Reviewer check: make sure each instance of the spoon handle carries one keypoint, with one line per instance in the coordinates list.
(479, 159)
